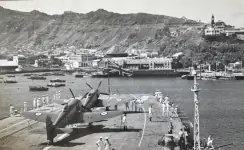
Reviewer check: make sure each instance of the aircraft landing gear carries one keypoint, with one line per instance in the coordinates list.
(50, 142)
(90, 125)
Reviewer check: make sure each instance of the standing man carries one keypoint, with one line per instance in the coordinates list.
(167, 108)
(11, 110)
(124, 122)
(107, 144)
(163, 108)
(99, 144)
(127, 106)
(140, 105)
(150, 113)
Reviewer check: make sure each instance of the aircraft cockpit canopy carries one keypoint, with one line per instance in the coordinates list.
(66, 108)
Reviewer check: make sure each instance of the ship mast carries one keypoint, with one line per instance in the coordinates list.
(109, 88)
(196, 89)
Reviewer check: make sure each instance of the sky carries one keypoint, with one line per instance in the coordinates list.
(229, 11)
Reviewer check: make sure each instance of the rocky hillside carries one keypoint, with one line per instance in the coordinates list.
(106, 31)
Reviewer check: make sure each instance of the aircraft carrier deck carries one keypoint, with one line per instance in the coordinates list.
(17, 132)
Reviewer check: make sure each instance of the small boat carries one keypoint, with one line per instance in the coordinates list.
(28, 74)
(10, 75)
(79, 75)
(58, 74)
(55, 84)
(38, 88)
(183, 76)
(45, 74)
(10, 81)
(37, 78)
(57, 80)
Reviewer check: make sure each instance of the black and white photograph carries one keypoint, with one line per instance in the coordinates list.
(121, 74)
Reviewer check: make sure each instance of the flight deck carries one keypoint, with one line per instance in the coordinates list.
(19, 133)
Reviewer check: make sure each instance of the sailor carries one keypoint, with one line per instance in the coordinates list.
(124, 122)
(209, 138)
(163, 108)
(204, 143)
(167, 108)
(39, 102)
(140, 105)
(182, 139)
(25, 106)
(11, 110)
(54, 96)
(107, 144)
(166, 98)
(99, 143)
(170, 130)
(132, 104)
(34, 103)
(43, 100)
(160, 99)
(47, 99)
(136, 103)
(127, 106)
(210, 143)
(150, 113)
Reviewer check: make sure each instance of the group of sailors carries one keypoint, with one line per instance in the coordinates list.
(207, 144)
(37, 103)
(136, 105)
(168, 108)
(104, 145)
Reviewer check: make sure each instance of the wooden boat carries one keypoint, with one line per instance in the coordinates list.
(56, 84)
(10, 81)
(57, 80)
(79, 75)
(37, 78)
(38, 88)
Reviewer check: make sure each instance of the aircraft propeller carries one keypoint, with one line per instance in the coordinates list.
(103, 93)
(81, 98)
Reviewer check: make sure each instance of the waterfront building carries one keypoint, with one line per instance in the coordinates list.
(8, 65)
(149, 63)
(20, 59)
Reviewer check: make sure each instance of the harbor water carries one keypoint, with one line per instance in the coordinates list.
(221, 102)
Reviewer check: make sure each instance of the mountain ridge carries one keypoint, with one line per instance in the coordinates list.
(32, 32)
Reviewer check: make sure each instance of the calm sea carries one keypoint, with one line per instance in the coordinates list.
(221, 102)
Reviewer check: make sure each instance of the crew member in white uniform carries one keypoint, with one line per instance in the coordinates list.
(167, 108)
(34, 103)
(124, 122)
(99, 144)
(107, 144)
(150, 113)
(163, 108)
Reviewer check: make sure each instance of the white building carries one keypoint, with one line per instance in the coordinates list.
(5, 64)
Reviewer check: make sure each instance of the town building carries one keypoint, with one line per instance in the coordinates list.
(8, 65)
(20, 60)
(215, 28)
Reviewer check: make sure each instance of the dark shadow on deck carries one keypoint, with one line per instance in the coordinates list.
(80, 132)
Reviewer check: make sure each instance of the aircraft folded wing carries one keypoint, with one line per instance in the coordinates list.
(99, 116)
(40, 116)
(120, 101)
(62, 101)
